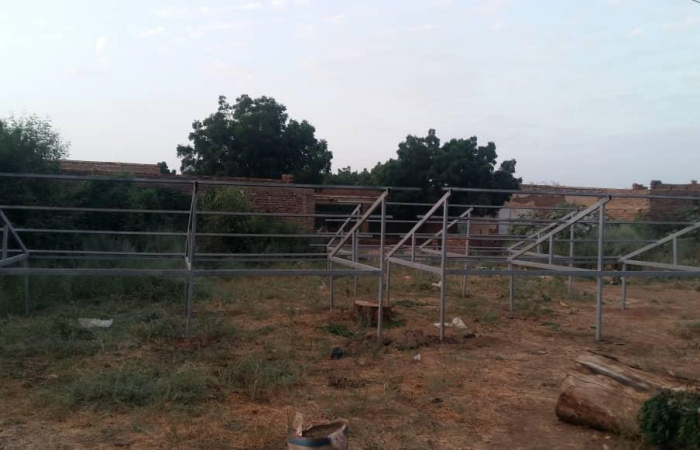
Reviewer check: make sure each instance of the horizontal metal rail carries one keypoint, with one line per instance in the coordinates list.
(179, 179)
(13, 259)
(353, 264)
(657, 265)
(601, 193)
(185, 272)
(415, 265)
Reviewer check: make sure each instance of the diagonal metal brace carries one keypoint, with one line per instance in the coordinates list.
(359, 223)
(540, 231)
(660, 242)
(420, 223)
(578, 216)
(12, 231)
(449, 225)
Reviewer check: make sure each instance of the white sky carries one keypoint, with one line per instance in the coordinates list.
(580, 92)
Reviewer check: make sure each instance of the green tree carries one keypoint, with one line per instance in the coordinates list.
(348, 177)
(425, 163)
(30, 144)
(255, 138)
(164, 169)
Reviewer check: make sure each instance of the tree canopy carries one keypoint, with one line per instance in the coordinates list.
(254, 137)
(30, 144)
(425, 163)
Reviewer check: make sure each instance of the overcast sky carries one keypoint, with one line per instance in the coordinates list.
(580, 92)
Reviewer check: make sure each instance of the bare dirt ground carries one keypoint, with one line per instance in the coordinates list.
(492, 386)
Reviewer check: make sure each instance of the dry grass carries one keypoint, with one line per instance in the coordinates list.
(260, 351)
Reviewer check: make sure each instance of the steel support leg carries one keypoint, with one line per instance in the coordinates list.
(388, 283)
(675, 251)
(466, 254)
(5, 236)
(571, 258)
(511, 289)
(331, 285)
(356, 258)
(27, 308)
(382, 261)
(624, 287)
(599, 296)
(443, 267)
(192, 246)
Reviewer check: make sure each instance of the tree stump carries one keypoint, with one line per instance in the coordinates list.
(369, 311)
(605, 394)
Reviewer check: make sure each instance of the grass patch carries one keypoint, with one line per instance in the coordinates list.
(408, 303)
(137, 386)
(259, 378)
(160, 325)
(489, 317)
(58, 337)
(338, 329)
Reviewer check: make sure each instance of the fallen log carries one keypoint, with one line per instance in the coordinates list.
(605, 394)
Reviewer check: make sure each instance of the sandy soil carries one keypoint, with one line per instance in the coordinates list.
(492, 386)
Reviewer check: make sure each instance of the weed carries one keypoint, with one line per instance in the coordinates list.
(338, 329)
(552, 326)
(260, 377)
(136, 386)
(408, 303)
(687, 331)
(489, 317)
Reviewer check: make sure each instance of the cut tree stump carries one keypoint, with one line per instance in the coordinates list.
(368, 311)
(605, 394)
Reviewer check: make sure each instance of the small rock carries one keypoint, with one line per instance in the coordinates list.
(95, 323)
(436, 400)
(458, 323)
(338, 352)
(417, 357)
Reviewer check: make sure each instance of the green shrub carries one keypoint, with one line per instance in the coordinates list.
(670, 418)
(231, 199)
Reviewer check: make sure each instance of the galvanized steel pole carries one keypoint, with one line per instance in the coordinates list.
(443, 266)
(380, 299)
(599, 296)
(192, 248)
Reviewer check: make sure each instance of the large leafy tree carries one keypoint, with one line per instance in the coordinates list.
(30, 144)
(255, 138)
(426, 163)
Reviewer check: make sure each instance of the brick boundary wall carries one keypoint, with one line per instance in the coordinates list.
(618, 208)
(290, 199)
(664, 208)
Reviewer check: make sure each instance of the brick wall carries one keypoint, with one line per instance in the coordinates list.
(76, 167)
(663, 208)
(618, 208)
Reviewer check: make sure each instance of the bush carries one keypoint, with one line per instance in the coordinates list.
(230, 199)
(670, 418)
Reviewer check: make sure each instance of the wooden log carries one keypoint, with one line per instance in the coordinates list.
(605, 394)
